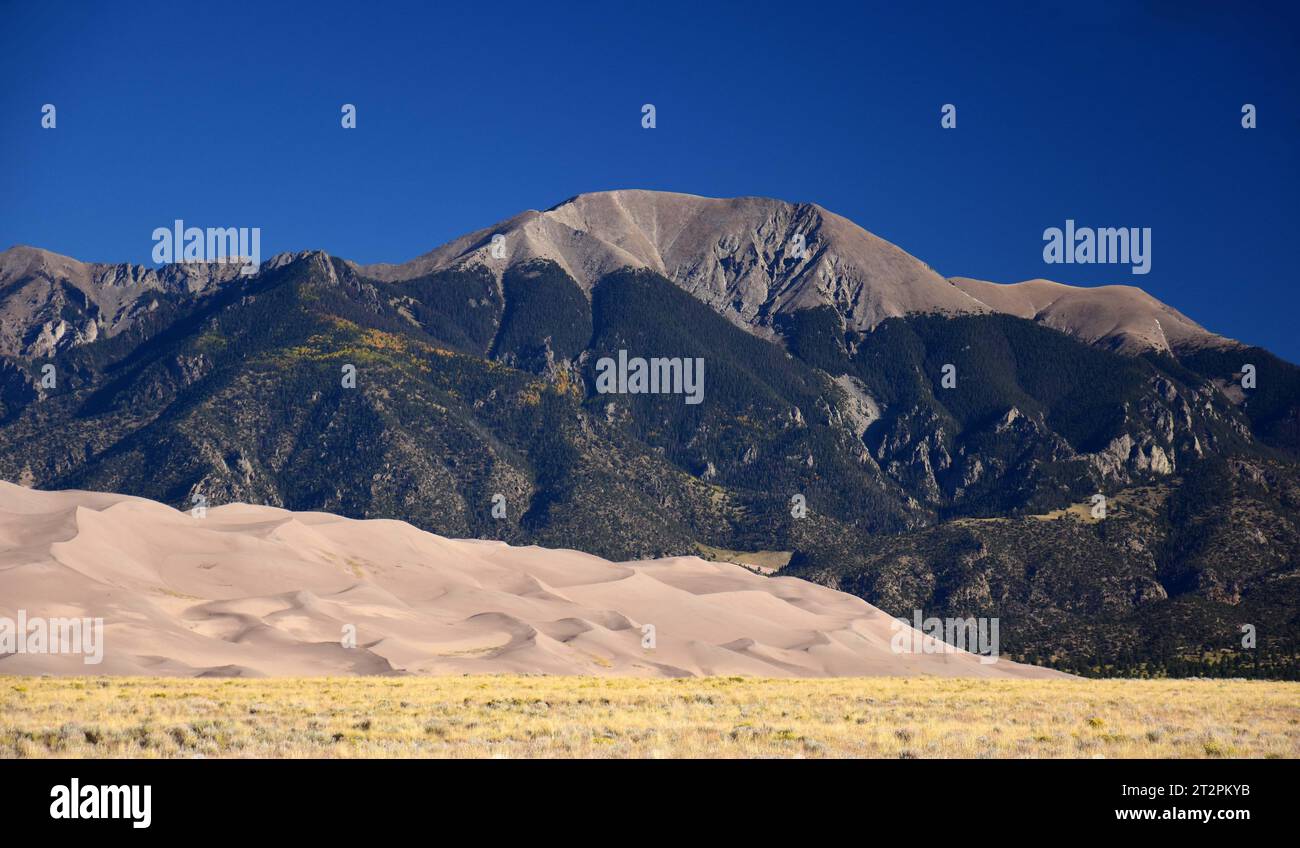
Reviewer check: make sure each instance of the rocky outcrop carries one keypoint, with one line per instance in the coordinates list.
(50, 303)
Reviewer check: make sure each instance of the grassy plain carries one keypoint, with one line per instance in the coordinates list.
(537, 716)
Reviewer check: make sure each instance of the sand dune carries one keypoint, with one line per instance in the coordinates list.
(259, 591)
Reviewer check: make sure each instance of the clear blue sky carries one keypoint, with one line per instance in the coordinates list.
(227, 114)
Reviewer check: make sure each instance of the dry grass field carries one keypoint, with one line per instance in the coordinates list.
(528, 716)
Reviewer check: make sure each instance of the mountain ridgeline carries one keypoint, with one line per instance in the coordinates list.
(461, 396)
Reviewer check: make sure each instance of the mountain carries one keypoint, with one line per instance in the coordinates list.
(826, 433)
(1120, 318)
(1166, 582)
(254, 591)
(50, 302)
(737, 255)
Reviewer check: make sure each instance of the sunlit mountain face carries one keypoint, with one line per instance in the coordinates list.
(636, 374)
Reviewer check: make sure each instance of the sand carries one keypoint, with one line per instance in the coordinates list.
(260, 591)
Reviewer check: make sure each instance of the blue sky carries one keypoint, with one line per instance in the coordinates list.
(1110, 114)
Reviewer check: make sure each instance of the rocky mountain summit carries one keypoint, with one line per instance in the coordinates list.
(751, 259)
(741, 255)
(50, 302)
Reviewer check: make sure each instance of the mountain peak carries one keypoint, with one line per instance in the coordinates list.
(51, 302)
(750, 258)
(740, 255)
(1121, 318)
(22, 260)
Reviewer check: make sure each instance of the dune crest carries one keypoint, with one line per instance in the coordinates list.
(259, 591)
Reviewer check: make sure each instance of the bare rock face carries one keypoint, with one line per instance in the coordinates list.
(859, 409)
(50, 302)
(742, 255)
(1126, 455)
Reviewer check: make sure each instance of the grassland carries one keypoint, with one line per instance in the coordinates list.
(526, 716)
(763, 562)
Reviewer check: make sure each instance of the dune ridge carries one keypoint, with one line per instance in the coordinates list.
(261, 591)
